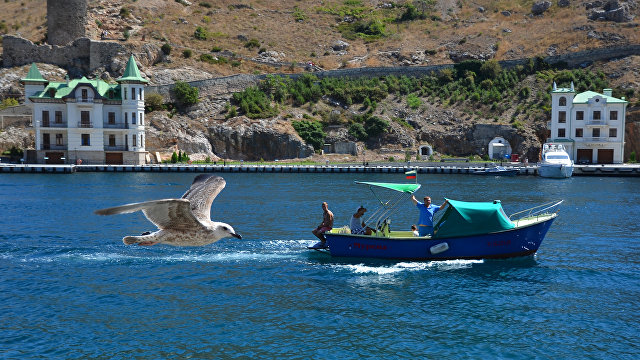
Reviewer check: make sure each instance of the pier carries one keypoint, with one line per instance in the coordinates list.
(430, 168)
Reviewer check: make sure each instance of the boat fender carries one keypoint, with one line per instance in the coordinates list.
(437, 249)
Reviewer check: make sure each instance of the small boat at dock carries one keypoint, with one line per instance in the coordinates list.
(555, 162)
(497, 171)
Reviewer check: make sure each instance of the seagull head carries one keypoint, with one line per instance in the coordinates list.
(222, 230)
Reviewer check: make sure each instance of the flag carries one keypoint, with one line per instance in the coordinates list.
(411, 174)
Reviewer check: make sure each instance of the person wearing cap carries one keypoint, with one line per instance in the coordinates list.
(357, 225)
(425, 224)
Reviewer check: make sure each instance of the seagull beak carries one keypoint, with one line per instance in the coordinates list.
(237, 236)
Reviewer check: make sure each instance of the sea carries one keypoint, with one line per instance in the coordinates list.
(70, 289)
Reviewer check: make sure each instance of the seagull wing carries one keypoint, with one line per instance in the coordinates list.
(204, 189)
(172, 214)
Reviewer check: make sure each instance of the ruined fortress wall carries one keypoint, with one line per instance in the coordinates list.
(65, 21)
(79, 58)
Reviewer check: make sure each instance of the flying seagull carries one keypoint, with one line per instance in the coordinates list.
(182, 222)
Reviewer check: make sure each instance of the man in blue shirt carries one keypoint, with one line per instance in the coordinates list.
(425, 224)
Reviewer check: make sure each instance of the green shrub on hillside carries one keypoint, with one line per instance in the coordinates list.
(153, 102)
(357, 131)
(311, 132)
(254, 103)
(166, 49)
(413, 101)
(185, 93)
(201, 33)
(8, 102)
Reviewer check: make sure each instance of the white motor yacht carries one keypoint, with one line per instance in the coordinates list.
(555, 162)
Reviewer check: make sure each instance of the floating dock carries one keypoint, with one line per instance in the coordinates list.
(579, 170)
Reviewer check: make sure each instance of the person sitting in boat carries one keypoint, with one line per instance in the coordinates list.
(425, 224)
(357, 225)
(325, 225)
(414, 229)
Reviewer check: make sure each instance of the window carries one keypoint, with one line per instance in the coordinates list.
(112, 118)
(112, 140)
(141, 118)
(124, 91)
(140, 94)
(141, 140)
(561, 133)
(595, 133)
(85, 94)
(84, 119)
(126, 118)
(133, 118)
(579, 115)
(613, 115)
(133, 94)
(596, 115)
(58, 117)
(613, 132)
(45, 118)
(562, 116)
(58, 139)
(563, 101)
(133, 139)
(86, 140)
(579, 132)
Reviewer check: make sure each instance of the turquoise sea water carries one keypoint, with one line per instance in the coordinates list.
(70, 289)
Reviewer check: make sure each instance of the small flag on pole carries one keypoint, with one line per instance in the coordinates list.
(411, 174)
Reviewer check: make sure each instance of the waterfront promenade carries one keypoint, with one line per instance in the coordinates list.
(422, 168)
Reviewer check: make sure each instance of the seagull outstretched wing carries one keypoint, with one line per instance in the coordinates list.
(173, 214)
(203, 190)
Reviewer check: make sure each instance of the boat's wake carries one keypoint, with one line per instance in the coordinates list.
(384, 269)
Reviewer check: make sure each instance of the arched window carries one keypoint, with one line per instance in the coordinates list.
(563, 101)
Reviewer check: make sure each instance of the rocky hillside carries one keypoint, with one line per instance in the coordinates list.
(216, 38)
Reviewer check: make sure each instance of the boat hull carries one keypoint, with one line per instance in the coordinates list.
(557, 171)
(512, 172)
(520, 241)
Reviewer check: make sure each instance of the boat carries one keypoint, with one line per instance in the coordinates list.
(462, 230)
(497, 170)
(555, 162)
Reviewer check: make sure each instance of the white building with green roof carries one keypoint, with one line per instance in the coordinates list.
(88, 121)
(590, 125)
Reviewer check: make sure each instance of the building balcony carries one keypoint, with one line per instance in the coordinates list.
(597, 139)
(596, 123)
(54, 146)
(115, 125)
(49, 124)
(87, 100)
(116, 148)
(82, 124)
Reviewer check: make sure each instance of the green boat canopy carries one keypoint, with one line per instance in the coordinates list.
(461, 218)
(405, 188)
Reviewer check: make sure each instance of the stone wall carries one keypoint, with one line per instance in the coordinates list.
(80, 57)
(65, 21)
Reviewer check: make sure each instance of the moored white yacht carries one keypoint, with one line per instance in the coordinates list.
(555, 162)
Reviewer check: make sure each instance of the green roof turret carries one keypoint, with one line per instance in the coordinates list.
(34, 76)
(131, 73)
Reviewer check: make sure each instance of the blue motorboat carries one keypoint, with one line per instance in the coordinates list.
(462, 230)
(497, 171)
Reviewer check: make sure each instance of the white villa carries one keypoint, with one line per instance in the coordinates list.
(88, 121)
(589, 125)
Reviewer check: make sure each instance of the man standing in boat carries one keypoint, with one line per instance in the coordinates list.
(425, 224)
(326, 225)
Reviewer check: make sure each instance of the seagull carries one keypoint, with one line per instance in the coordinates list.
(182, 222)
